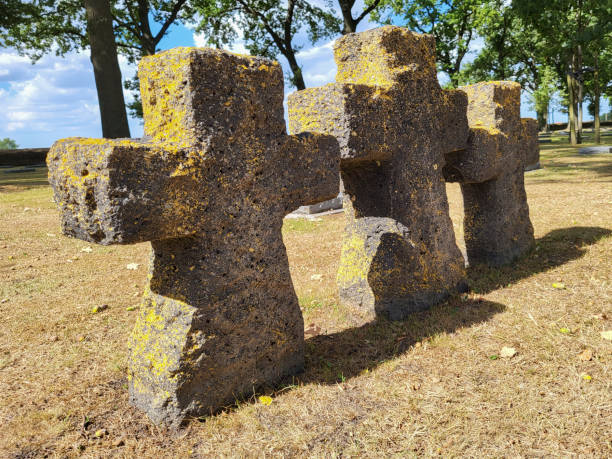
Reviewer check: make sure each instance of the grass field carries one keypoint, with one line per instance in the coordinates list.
(434, 384)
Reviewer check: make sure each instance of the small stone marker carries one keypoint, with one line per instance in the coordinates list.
(595, 150)
(394, 124)
(497, 227)
(209, 186)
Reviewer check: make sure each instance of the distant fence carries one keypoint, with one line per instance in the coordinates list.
(585, 124)
(23, 157)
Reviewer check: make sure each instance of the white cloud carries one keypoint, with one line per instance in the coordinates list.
(52, 99)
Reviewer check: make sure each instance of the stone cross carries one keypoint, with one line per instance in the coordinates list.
(497, 227)
(394, 124)
(208, 185)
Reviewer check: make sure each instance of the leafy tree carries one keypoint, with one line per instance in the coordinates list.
(268, 27)
(8, 144)
(454, 24)
(514, 50)
(542, 96)
(61, 26)
(12, 14)
(567, 27)
(39, 26)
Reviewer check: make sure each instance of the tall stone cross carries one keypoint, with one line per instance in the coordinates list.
(208, 185)
(394, 124)
(497, 227)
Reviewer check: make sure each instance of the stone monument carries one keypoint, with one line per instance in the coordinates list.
(394, 125)
(497, 227)
(208, 185)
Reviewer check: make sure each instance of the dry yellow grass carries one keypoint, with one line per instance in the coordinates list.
(431, 385)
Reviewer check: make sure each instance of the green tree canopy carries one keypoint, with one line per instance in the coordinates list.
(268, 27)
(8, 144)
(455, 24)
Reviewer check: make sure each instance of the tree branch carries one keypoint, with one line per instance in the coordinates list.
(173, 15)
(367, 11)
(269, 29)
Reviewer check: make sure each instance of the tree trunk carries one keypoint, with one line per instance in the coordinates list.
(596, 97)
(541, 120)
(298, 79)
(579, 104)
(571, 109)
(106, 69)
(350, 25)
(545, 116)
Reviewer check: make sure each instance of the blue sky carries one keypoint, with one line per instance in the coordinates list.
(56, 97)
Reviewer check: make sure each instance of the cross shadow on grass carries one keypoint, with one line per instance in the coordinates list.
(554, 249)
(339, 356)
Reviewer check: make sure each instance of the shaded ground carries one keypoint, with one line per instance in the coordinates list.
(431, 385)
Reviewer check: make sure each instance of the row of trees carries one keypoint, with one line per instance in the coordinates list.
(549, 46)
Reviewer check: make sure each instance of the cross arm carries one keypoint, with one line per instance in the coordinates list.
(479, 161)
(495, 134)
(529, 141)
(310, 165)
(125, 191)
(454, 125)
(354, 114)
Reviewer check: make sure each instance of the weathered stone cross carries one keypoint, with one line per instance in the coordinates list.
(497, 227)
(209, 186)
(394, 124)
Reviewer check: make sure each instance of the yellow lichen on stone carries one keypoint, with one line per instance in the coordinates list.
(355, 263)
(166, 115)
(386, 54)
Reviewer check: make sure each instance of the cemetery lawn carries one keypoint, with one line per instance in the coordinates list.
(435, 384)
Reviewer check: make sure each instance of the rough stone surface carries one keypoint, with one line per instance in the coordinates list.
(394, 124)
(497, 227)
(531, 143)
(209, 186)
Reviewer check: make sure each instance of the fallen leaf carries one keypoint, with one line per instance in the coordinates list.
(565, 330)
(586, 355)
(87, 249)
(130, 308)
(50, 234)
(265, 400)
(494, 357)
(586, 377)
(507, 352)
(4, 300)
(100, 433)
(559, 285)
(316, 277)
(607, 334)
(132, 266)
(100, 308)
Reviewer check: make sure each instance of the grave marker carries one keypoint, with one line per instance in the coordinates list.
(497, 227)
(394, 124)
(209, 186)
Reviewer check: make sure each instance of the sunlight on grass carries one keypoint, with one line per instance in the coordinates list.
(426, 386)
